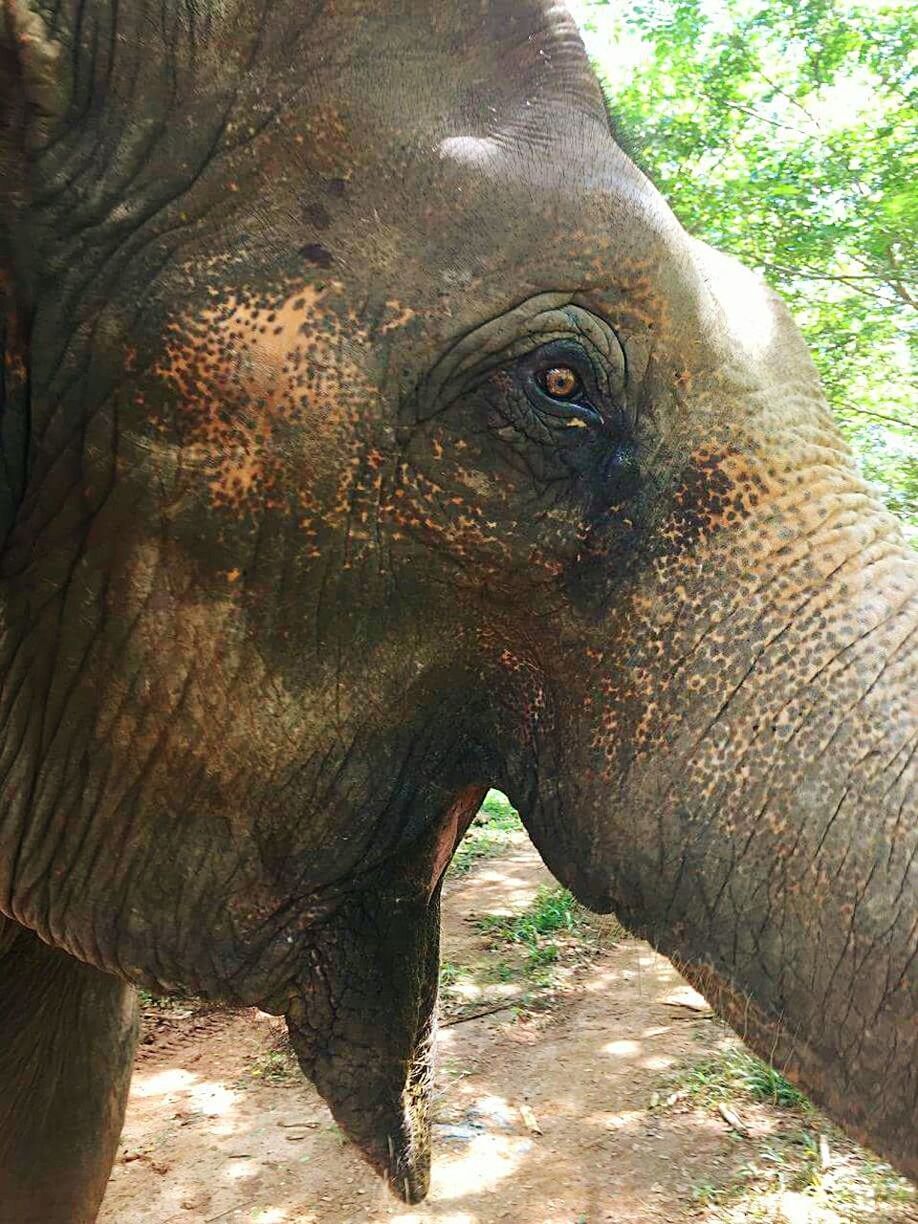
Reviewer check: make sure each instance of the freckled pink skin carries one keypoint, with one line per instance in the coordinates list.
(293, 569)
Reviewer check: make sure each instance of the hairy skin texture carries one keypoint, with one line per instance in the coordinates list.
(301, 553)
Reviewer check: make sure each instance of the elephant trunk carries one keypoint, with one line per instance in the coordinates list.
(750, 807)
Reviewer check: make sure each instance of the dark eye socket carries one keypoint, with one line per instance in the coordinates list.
(560, 382)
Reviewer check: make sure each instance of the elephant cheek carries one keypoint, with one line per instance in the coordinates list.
(362, 1027)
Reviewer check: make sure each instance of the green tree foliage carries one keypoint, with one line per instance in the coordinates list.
(784, 131)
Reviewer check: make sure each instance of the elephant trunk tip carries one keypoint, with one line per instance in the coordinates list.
(408, 1174)
(397, 1148)
(397, 1143)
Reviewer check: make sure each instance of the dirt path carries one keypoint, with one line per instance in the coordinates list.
(557, 1113)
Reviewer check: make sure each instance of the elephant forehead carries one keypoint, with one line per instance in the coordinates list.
(568, 157)
(500, 222)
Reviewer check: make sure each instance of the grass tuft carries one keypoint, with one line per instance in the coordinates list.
(489, 834)
(801, 1160)
(554, 927)
(736, 1072)
(554, 909)
(277, 1065)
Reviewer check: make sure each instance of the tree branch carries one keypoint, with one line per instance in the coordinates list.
(880, 416)
(747, 110)
(851, 279)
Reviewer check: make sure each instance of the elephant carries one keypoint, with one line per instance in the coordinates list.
(373, 434)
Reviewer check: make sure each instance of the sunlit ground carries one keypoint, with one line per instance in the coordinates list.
(574, 1103)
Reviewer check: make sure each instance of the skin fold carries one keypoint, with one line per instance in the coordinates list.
(307, 542)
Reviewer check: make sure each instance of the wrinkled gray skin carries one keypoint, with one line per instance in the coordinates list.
(302, 552)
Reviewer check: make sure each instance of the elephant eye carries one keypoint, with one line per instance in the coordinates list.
(560, 382)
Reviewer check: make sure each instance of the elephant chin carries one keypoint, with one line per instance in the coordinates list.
(382, 1107)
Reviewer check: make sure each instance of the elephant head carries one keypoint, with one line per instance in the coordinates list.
(374, 433)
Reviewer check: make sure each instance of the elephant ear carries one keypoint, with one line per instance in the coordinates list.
(32, 102)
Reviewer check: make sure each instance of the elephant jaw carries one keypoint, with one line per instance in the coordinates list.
(361, 1023)
(363, 1015)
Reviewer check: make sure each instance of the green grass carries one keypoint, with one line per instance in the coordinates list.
(526, 950)
(553, 927)
(554, 909)
(489, 834)
(534, 933)
(166, 1002)
(275, 1066)
(764, 1083)
(498, 812)
(450, 974)
(453, 975)
(551, 930)
(852, 1186)
(502, 971)
(737, 1073)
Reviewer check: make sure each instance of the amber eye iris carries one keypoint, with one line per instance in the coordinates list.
(560, 382)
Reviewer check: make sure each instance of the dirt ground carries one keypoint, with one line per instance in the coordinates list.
(557, 1109)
